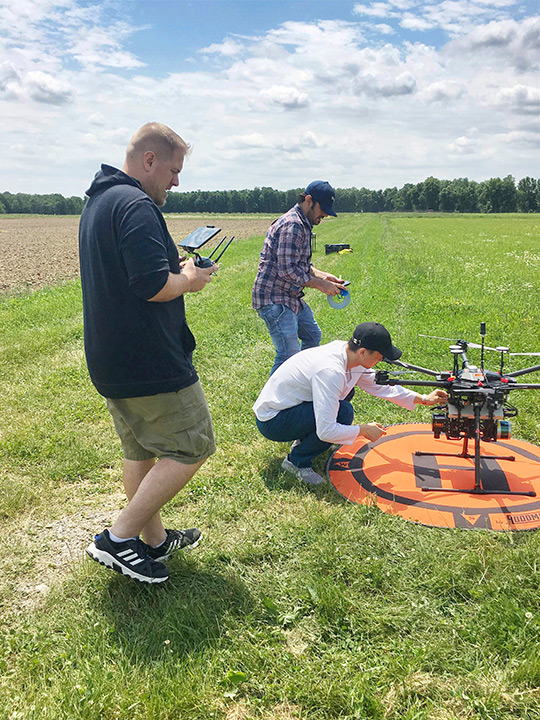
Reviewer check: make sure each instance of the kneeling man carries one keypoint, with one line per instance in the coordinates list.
(305, 400)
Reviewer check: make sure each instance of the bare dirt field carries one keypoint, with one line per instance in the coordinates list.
(41, 250)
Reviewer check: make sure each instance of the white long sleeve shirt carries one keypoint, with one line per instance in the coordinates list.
(320, 375)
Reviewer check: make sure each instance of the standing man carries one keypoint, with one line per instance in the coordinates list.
(139, 348)
(306, 399)
(285, 269)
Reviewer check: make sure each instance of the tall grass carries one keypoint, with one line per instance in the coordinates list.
(297, 605)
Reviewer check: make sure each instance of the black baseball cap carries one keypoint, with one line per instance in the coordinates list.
(323, 193)
(374, 336)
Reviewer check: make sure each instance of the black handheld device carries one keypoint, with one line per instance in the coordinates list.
(198, 238)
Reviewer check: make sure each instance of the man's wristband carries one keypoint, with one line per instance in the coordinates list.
(424, 399)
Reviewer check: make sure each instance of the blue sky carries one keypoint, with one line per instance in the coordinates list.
(375, 93)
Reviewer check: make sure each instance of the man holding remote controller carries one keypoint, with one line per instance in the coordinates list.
(139, 348)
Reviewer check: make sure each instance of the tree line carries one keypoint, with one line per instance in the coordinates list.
(53, 204)
(461, 195)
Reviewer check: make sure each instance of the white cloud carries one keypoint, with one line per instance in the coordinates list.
(515, 42)
(385, 29)
(9, 73)
(521, 137)
(229, 48)
(46, 89)
(463, 144)
(103, 46)
(443, 91)
(375, 9)
(520, 98)
(387, 86)
(256, 143)
(413, 22)
(353, 100)
(286, 97)
(34, 85)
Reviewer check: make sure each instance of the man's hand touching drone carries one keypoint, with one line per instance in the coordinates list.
(374, 430)
(437, 397)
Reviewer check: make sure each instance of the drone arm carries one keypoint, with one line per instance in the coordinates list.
(419, 383)
(517, 373)
(525, 386)
(414, 367)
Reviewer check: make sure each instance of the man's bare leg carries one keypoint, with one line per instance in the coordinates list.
(149, 485)
(134, 473)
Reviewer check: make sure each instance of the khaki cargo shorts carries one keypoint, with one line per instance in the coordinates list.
(174, 425)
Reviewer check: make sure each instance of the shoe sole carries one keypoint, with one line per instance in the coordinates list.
(109, 561)
(193, 545)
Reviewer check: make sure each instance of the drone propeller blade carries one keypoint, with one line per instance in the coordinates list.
(534, 354)
(469, 344)
(486, 347)
(436, 337)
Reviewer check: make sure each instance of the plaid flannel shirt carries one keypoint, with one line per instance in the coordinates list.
(284, 266)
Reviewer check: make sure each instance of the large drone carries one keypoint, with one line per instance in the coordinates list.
(477, 407)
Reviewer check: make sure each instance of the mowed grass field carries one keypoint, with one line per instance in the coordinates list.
(297, 605)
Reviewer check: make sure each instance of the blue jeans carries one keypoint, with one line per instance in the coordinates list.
(288, 330)
(298, 423)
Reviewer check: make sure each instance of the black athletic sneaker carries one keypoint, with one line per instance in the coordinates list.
(129, 558)
(175, 540)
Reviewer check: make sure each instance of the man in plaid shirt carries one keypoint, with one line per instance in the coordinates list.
(285, 269)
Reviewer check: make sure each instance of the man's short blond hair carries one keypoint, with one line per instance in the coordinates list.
(159, 139)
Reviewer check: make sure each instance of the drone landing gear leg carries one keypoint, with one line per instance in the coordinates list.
(478, 488)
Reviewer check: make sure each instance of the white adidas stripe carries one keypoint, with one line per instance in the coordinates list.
(131, 557)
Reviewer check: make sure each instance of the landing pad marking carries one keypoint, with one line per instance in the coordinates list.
(389, 474)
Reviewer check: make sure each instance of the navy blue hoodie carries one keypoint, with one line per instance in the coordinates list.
(133, 347)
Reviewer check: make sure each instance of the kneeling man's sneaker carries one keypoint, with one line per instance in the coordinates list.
(175, 540)
(307, 474)
(128, 558)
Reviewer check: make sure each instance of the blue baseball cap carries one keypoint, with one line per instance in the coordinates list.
(323, 193)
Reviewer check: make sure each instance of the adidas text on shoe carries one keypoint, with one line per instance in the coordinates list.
(175, 540)
(128, 558)
(307, 475)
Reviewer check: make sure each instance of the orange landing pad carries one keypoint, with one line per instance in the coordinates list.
(389, 474)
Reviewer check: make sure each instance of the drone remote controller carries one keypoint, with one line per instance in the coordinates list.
(199, 237)
(203, 262)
